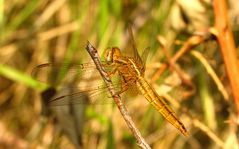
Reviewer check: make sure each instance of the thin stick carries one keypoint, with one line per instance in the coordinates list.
(209, 132)
(172, 60)
(95, 57)
(212, 73)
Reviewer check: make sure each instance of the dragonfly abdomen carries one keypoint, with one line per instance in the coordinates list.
(160, 105)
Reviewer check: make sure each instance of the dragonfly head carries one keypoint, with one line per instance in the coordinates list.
(112, 54)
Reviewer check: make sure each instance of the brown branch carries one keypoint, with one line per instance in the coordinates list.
(188, 45)
(228, 49)
(95, 57)
(159, 72)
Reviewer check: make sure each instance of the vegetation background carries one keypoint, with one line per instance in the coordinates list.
(186, 65)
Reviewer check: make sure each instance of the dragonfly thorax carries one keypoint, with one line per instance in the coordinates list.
(127, 67)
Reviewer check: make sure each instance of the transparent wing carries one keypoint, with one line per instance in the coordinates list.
(88, 83)
(144, 56)
(98, 95)
(135, 51)
(49, 72)
(58, 66)
(139, 59)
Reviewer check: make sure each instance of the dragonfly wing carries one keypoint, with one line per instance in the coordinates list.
(98, 95)
(144, 56)
(135, 51)
(49, 71)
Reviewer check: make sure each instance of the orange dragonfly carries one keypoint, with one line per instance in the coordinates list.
(131, 71)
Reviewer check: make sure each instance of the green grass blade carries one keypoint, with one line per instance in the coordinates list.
(20, 77)
(24, 14)
(110, 137)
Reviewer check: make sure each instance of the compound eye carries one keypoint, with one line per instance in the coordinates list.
(109, 55)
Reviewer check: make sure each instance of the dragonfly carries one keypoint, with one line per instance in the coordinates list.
(130, 70)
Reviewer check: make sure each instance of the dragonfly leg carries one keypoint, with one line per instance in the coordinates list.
(124, 87)
(113, 71)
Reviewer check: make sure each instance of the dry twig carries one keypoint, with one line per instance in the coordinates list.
(209, 132)
(211, 72)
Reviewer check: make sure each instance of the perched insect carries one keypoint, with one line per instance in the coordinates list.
(130, 70)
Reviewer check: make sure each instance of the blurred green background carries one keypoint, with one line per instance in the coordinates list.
(36, 32)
